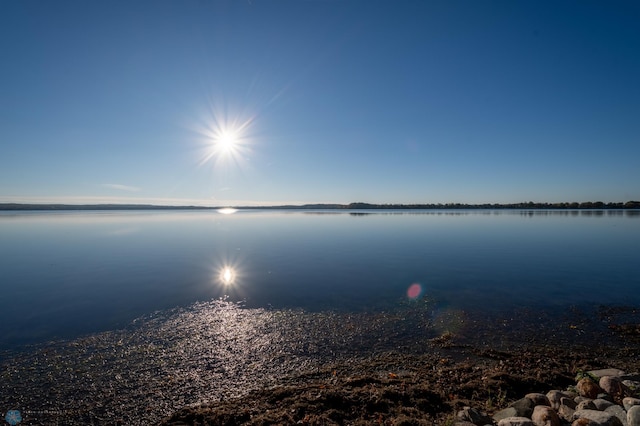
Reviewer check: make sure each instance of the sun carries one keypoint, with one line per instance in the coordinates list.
(227, 141)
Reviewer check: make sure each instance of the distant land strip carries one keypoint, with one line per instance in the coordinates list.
(589, 205)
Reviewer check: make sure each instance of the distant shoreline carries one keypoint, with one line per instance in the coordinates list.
(597, 205)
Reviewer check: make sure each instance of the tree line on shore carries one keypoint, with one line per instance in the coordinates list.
(588, 205)
(530, 205)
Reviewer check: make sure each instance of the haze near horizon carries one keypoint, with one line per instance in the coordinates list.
(290, 102)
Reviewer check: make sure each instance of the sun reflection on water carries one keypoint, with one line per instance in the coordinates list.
(227, 210)
(227, 275)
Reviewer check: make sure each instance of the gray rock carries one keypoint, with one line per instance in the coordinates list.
(584, 422)
(607, 372)
(601, 418)
(587, 404)
(516, 421)
(613, 386)
(633, 416)
(602, 404)
(524, 407)
(632, 384)
(554, 397)
(474, 416)
(619, 412)
(506, 413)
(605, 396)
(579, 399)
(568, 402)
(538, 399)
(565, 412)
(629, 402)
(544, 415)
(631, 376)
(463, 423)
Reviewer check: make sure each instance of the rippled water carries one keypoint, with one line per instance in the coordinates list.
(159, 310)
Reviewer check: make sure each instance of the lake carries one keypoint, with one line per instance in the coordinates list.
(70, 274)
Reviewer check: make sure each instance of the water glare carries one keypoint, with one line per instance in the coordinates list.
(227, 210)
(227, 275)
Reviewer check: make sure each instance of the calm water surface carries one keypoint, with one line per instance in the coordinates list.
(65, 274)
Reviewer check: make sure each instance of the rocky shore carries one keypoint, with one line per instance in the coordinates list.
(606, 397)
(217, 363)
(453, 385)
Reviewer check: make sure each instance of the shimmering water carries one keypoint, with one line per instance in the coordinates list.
(68, 274)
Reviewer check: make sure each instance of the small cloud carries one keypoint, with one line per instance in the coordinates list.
(121, 187)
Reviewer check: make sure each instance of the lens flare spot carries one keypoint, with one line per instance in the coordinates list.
(414, 291)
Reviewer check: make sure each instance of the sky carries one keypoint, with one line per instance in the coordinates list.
(263, 102)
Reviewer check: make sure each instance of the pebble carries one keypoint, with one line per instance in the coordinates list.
(602, 404)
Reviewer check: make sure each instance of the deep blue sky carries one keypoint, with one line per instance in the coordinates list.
(376, 101)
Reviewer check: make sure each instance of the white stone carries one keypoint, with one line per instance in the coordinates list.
(544, 415)
(607, 372)
(600, 417)
(619, 412)
(516, 421)
(629, 402)
(633, 416)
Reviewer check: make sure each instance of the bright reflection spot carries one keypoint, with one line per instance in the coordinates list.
(414, 291)
(227, 210)
(227, 275)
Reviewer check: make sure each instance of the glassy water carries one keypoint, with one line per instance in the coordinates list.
(66, 274)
